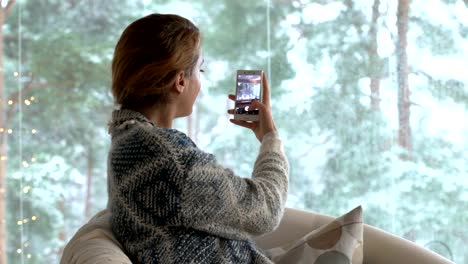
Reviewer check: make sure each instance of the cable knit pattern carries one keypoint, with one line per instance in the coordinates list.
(171, 202)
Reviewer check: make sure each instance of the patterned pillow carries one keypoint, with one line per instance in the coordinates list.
(339, 242)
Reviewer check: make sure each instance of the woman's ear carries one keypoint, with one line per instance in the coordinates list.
(180, 82)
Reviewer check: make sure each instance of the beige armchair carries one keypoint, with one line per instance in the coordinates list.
(94, 242)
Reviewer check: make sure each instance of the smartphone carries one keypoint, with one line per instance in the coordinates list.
(249, 87)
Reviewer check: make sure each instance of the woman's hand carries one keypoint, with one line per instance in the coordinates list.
(265, 123)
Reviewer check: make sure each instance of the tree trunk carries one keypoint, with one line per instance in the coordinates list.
(3, 148)
(4, 11)
(189, 126)
(62, 236)
(404, 129)
(89, 179)
(197, 125)
(375, 69)
(3, 189)
(3, 167)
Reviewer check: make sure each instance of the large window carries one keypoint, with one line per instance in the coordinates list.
(370, 97)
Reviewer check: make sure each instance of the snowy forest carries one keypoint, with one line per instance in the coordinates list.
(370, 99)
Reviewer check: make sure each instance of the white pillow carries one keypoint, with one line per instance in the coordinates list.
(340, 242)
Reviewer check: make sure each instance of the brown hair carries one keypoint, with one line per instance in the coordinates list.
(148, 56)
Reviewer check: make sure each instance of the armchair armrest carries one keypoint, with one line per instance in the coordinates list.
(94, 243)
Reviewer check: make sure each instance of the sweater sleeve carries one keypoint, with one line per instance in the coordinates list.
(217, 201)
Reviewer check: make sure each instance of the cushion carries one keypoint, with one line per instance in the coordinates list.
(94, 243)
(340, 241)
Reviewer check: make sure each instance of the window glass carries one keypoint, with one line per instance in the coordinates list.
(370, 99)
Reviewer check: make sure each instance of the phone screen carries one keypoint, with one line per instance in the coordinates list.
(248, 89)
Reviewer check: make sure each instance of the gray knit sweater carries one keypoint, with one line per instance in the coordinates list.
(171, 202)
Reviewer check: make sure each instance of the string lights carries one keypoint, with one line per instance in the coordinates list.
(26, 220)
(23, 222)
(25, 190)
(10, 102)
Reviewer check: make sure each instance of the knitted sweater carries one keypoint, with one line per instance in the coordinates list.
(170, 202)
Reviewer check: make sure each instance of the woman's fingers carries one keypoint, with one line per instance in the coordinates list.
(255, 105)
(232, 97)
(241, 123)
(266, 90)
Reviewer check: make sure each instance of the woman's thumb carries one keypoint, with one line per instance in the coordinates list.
(255, 105)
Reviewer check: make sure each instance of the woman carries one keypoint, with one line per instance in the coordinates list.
(171, 202)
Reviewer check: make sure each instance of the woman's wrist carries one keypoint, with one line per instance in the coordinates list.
(271, 142)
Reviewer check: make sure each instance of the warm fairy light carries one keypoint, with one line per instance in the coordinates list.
(28, 256)
(32, 98)
(9, 131)
(25, 164)
(33, 159)
(26, 244)
(2, 129)
(34, 131)
(10, 102)
(34, 218)
(26, 189)
(3, 158)
(16, 74)
(25, 221)
(27, 102)
(19, 250)
(19, 222)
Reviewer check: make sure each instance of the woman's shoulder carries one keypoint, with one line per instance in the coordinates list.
(176, 137)
(128, 126)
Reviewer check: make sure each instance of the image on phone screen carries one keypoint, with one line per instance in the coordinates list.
(248, 88)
